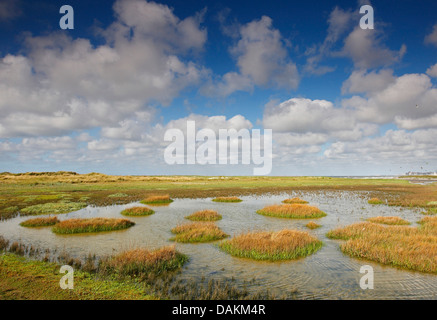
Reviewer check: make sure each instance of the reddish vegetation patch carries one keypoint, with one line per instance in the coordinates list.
(204, 215)
(266, 245)
(91, 225)
(137, 211)
(295, 200)
(40, 222)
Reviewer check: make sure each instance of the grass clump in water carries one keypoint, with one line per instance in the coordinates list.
(293, 211)
(198, 232)
(227, 199)
(295, 200)
(72, 226)
(204, 215)
(374, 201)
(53, 208)
(39, 222)
(142, 261)
(389, 220)
(430, 212)
(312, 225)
(137, 211)
(272, 246)
(399, 246)
(160, 199)
(118, 195)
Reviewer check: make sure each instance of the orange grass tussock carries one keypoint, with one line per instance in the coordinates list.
(157, 199)
(142, 261)
(198, 232)
(375, 201)
(295, 200)
(429, 225)
(389, 220)
(227, 199)
(272, 246)
(400, 246)
(293, 211)
(312, 225)
(40, 222)
(91, 225)
(137, 211)
(204, 215)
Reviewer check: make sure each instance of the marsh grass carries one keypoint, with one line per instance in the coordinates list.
(197, 232)
(430, 212)
(295, 200)
(375, 201)
(142, 261)
(292, 211)
(227, 199)
(389, 220)
(399, 246)
(312, 225)
(39, 222)
(118, 195)
(158, 199)
(429, 225)
(94, 188)
(53, 208)
(151, 273)
(22, 278)
(72, 226)
(204, 215)
(272, 246)
(4, 243)
(137, 211)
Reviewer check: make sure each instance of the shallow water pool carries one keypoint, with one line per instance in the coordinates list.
(327, 274)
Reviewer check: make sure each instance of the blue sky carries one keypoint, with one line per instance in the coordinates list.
(340, 100)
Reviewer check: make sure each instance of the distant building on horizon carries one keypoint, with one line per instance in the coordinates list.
(411, 173)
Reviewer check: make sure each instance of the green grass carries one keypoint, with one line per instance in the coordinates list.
(90, 225)
(138, 211)
(24, 279)
(10, 210)
(430, 212)
(94, 189)
(53, 208)
(272, 246)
